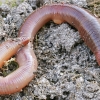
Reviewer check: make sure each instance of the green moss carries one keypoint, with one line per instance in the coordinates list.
(11, 3)
(0, 3)
(6, 70)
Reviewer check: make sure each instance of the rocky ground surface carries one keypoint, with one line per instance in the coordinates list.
(67, 69)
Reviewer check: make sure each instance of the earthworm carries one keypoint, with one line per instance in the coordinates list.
(10, 47)
(87, 25)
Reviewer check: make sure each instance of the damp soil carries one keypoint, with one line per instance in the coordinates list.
(67, 69)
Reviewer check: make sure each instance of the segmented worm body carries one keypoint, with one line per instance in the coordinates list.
(87, 25)
(10, 47)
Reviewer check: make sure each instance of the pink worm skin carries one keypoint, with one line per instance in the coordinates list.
(87, 25)
(10, 47)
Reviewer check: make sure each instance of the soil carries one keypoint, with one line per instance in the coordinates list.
(67, 69)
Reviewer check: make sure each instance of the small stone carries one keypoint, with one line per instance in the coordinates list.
(24, 9)
(88, 95)
(92, 87)
(80, 2)
(5, 8)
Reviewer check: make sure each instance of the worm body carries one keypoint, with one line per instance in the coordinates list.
(10, 47)
(87, 25)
